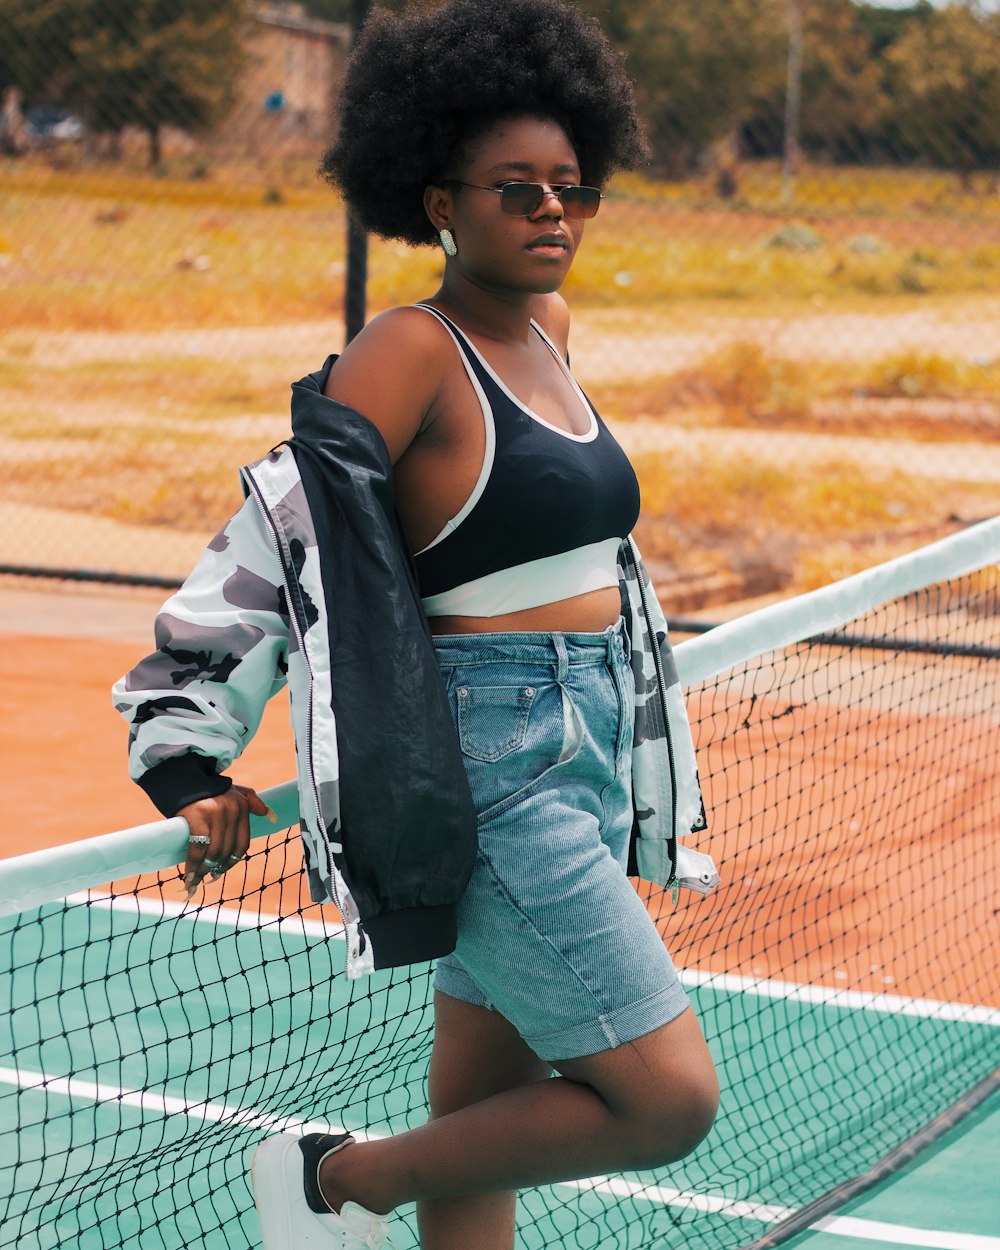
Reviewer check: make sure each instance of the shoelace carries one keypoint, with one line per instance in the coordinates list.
(376, 1239)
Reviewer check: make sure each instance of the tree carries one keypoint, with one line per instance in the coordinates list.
(329, 10)
(843, 98)
(34, 39)
(118, 63)
(842, 83)
(945, 76)
(698, 65)
(882, 26)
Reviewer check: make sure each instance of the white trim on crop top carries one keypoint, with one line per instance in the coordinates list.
(491, 442)
(484, 404)
(533, 584)
(537, 582)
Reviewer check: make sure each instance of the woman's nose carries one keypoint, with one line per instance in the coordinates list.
(551, 205)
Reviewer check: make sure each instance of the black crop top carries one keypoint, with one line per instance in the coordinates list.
(546, 516)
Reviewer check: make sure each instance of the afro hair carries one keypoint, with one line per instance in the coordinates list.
(422, 86)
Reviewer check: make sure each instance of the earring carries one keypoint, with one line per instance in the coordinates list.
(448, 243)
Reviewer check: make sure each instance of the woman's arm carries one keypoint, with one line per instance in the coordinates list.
(195, 702)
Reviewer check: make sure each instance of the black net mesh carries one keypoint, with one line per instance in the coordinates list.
(842, 973)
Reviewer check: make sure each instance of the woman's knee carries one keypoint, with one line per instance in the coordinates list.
(669, 1123)
(665, 1089)
(678, 1121)
(686, 1098)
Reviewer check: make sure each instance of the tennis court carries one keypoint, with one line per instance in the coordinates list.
(845, 974)
(140, 1091)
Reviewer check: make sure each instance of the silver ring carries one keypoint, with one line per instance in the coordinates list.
(220, 868)
(199, 839)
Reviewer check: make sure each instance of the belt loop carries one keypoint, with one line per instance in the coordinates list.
(614, 641)
(562, 656)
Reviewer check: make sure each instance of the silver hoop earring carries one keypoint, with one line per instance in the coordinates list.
(448, 242)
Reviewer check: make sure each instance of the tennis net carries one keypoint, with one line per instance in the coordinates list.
(843, 972)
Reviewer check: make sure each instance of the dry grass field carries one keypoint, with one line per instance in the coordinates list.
(804, 389)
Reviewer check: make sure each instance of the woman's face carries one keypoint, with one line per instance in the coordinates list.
(495, 250)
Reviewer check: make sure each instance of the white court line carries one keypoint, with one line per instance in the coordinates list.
(167, 1104)
(859, 1000)
(877, 1230)
(715, 1204)
(726, 983)
(613, 1187)
(237, 918)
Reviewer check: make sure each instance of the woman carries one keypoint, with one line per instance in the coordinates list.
(491, 129)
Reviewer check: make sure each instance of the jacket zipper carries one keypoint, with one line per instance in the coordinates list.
(294, 622)
(661, 691)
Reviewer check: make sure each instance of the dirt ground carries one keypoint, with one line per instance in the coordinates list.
(608, 346)
(605, 343)
(63, 765)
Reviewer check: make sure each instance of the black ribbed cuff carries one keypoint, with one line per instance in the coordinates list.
(412, 935)
(182, 779)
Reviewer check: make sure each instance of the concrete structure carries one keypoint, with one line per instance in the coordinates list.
(288, 91)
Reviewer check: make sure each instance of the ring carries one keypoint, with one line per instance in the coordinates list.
(199, 839)
(220, 869)
(211, 865)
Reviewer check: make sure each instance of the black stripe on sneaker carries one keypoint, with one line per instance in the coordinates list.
(315, 1147)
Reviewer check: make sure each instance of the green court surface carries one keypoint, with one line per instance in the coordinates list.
(151, 1058)
(947, 1197)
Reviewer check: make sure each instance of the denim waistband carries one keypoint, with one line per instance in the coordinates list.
(523, 646)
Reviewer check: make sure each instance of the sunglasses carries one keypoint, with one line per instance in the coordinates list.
(521, 199)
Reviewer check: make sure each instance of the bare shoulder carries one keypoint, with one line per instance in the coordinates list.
(391, 373)
(552, 314)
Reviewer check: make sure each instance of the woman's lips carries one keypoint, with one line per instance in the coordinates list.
(554, 250)
(550, 244)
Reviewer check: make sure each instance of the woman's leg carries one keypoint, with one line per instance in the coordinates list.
(476, 1054)
(640, 1105)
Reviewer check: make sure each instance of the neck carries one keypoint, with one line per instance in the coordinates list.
(501, 315)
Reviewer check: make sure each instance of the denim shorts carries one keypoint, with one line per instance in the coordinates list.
(551, 933)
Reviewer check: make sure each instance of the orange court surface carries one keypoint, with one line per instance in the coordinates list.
(63, 762)
(849, 883)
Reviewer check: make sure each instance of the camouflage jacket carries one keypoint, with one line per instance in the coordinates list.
(312, 583)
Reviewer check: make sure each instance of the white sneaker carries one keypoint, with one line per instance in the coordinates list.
(293, 1214)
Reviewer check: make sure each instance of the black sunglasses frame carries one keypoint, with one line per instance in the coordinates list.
(571, 206)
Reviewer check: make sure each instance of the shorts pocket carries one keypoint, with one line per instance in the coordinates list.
(492, 720)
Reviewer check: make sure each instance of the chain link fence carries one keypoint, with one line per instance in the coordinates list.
(792, 323)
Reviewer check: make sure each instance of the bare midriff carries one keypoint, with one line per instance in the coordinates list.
(590, 613)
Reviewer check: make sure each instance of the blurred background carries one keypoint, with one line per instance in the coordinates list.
(791, 319)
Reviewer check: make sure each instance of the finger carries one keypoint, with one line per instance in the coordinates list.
(206, 840)
(257, 804)
(241, 834)
(198, 850)
(230, 846)
(197, 869)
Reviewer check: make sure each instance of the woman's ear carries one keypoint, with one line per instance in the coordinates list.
(438, 204)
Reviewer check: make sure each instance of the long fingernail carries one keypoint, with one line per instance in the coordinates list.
(271, 814)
